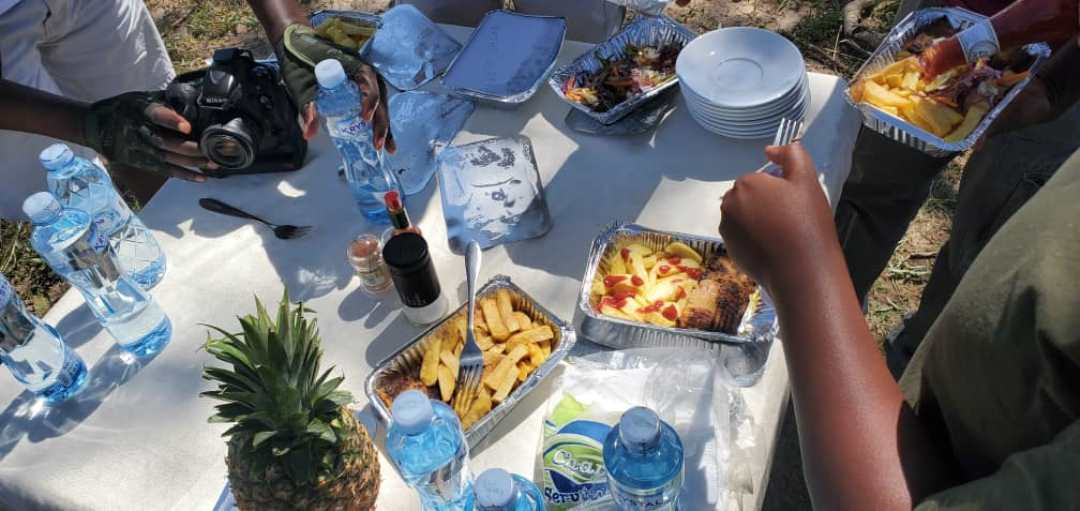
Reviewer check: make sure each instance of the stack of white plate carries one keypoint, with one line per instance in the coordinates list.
(740, 82)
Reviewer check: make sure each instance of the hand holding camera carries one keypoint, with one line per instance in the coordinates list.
(136, 129)
(234, 117)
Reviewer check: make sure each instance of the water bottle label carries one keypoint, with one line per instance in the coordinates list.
(663, 498)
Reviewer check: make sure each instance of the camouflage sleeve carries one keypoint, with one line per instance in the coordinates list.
(299, 50)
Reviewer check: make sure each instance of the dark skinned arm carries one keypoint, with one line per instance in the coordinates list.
(276, 16)
(165, 151)
(30, 110)
(861, 446)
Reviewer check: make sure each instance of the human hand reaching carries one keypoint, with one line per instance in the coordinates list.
(137, 130)
(771, 224)
(300, 50)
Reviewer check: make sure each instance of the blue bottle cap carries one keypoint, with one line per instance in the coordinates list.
(639, 428)
(412, 412)
(329, 73)
(56, 156)
(41, 207)
(494, 489)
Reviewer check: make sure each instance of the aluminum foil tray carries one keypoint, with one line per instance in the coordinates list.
(906, 133)
(491, 193)
(423, 124)
(410, 356)
(409, 49)
(759, 323)
(650, 31)
(507, 57)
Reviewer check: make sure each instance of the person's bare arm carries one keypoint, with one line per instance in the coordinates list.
(160, 145)
(30, 110)
(276, 15)
(861, 446)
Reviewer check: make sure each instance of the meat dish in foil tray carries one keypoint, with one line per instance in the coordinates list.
(674, 287)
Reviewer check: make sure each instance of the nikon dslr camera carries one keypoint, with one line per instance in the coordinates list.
(241, 115)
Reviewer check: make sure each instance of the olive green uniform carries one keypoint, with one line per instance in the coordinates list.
(997, 378)
(889, 182)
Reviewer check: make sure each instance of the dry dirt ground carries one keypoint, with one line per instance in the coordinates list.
(192, 28)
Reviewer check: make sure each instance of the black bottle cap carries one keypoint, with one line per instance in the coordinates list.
(406, 252)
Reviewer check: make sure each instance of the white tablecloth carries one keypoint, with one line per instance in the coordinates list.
(137, 437)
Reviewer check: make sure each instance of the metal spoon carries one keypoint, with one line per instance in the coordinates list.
(285, 232)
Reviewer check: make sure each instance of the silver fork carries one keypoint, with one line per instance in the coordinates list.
(471, 364)
(786, 133)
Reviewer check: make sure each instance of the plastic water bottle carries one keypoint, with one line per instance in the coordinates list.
(498, 490)
(34, 352)
(426, 443)
(73, 247)
(338, 100)
(643, 457)
(80, 184)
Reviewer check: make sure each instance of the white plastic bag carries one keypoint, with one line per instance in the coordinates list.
(684, 387)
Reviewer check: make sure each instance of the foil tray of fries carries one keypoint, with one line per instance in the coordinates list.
(645, 31)
(909, 133)
(758, 323)
(522, 343)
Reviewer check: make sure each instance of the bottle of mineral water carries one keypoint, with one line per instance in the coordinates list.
(338, 100)
(73, 247)
(34, 352)
(498, 490)
(428, 447)
(643, 457)
(80, 184)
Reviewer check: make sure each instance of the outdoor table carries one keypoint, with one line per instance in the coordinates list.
(137, 436)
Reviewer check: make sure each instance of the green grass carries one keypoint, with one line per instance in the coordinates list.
(33, 280)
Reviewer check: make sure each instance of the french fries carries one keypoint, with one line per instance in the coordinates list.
(506, 310)
(514, 345)
(493, 320)
(900, 91)
(429, 368)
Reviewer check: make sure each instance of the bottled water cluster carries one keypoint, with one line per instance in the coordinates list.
(642, 454)
(86, 233)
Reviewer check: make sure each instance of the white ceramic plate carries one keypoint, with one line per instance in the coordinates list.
(712, 111)
(740, 67)
(749, 123)
(765, 128)
(787, 100)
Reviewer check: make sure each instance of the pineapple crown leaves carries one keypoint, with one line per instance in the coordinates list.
(283, 410)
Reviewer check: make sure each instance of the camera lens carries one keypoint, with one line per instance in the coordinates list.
(230, 145)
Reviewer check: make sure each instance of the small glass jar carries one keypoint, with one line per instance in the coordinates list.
(365, 256)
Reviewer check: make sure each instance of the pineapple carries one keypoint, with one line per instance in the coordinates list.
(293, 444)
